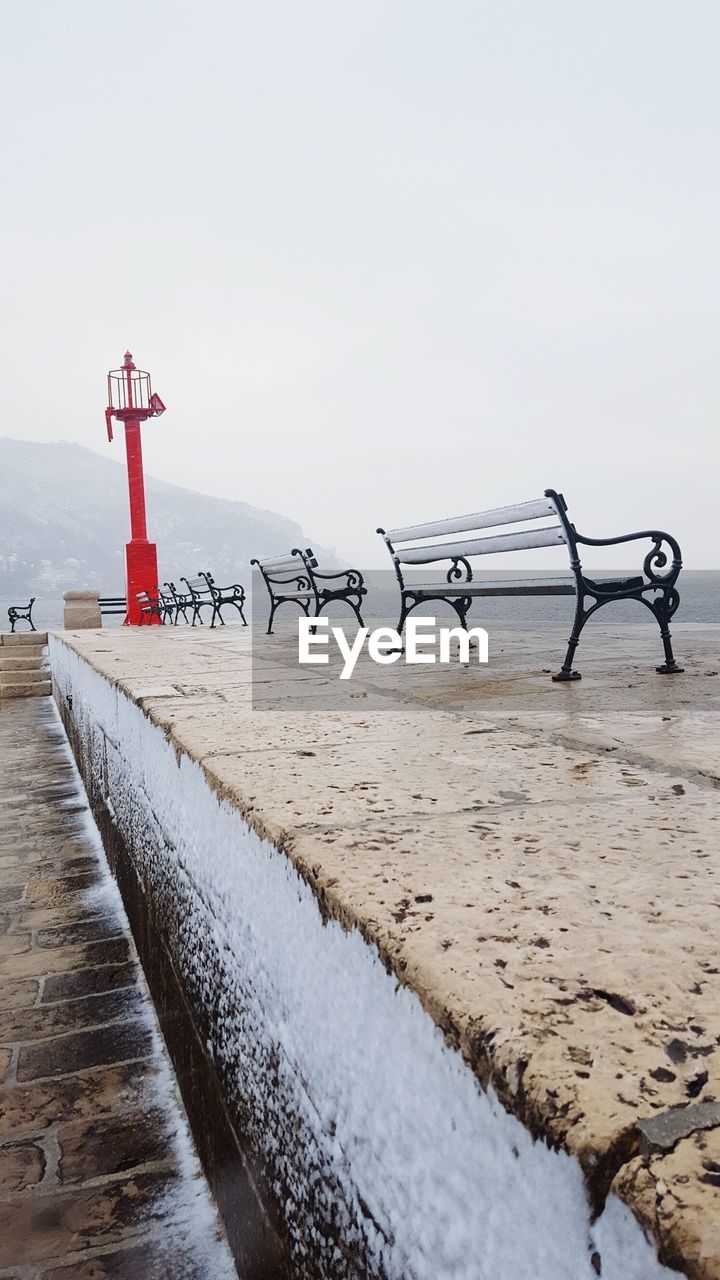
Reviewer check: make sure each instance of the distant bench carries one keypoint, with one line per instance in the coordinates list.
(204, 591)
(412, 546)
(21, 613)
(296, 578)
(150, 607)
(113, 605)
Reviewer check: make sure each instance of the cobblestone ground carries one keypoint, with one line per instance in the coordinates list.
(98, 1178)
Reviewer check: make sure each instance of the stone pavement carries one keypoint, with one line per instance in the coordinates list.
(98, 1177)
(540, 863)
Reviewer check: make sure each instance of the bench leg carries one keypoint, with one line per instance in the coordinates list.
(663, 611)
(566, 671)
(461, 605)
(669, 667)
(404, 611)
(239, 609)
(355, 607)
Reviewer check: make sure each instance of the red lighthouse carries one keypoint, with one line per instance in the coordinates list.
(131, 401)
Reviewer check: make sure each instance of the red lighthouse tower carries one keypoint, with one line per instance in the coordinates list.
(131, 401)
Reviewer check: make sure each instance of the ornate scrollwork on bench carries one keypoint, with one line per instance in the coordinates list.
(296, 579)
(21, 613)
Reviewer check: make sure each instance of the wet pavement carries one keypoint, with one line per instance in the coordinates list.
(98, 1176)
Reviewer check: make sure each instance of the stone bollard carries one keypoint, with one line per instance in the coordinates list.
(82, 610)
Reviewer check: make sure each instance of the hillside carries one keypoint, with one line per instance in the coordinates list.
(64, 521)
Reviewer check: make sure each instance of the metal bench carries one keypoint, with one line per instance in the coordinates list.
(112, 605)
(21, 613)
(176, 602)
(412, 546)
(197, 597)
(150, 607)
(167, 604)
(221, 596)
(295, 578)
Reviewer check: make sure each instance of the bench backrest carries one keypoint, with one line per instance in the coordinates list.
(411, 545)
(112, 604)
(196, 586)
(283, 570)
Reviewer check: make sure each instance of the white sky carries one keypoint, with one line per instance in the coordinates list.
(386, 261)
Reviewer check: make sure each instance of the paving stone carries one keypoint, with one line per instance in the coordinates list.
(18, 993)
(84, 982)
(22, 1165)
(11, 893)
(13, 944)
(49, 1020)
(115, 1144)
(63, 913)
(39, 1228)
(5, 1060)
(43, 862)
(91, 930)
(119, 1042)
(40, 962)
(44, 890)
(151, 1260)
(102, 1091)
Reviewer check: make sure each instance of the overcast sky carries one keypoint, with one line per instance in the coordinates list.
(386, 261)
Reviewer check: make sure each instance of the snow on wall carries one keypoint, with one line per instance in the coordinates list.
(387, 1157)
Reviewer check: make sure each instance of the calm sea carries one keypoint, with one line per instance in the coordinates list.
(699, 603)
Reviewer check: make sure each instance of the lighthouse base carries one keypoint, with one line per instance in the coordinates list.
(141, 574)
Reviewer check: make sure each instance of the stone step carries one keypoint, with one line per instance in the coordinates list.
(40, 688)
(26, 675)
(8, 639)
(28, 662)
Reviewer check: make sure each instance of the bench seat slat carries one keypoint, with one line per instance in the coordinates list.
(521, 541)
(497, 587)
(538, 509)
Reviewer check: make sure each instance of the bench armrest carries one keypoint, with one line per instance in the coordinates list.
(655, 559)
(353, 577)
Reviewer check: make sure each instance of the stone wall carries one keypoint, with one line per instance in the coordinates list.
(343, 1137)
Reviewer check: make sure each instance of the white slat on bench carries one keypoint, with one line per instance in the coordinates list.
(538, 509)
(520, 541)
(282, 565)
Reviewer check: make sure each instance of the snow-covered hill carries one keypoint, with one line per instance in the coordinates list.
(64, 521)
